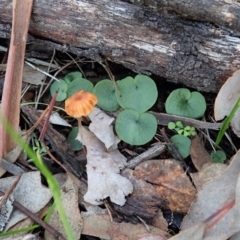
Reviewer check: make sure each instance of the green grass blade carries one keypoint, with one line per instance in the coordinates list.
(226, 122)
(53, 184)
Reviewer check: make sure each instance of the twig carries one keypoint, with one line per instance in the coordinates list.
(43, 72)
(164, 119)
(31, 215)
(152, 152)
(50, 108)
(7, 193)
(11, 168)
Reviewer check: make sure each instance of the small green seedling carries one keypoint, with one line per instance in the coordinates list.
(218, 156)
(37, 145)
(73, 142)
(180, 129)
(184, 103)
(182, 144)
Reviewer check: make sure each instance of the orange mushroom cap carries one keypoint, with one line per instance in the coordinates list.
(80, 104)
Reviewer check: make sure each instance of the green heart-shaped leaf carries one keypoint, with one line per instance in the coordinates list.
(135, 128)
(138, 94)
(61, 87)
(72, 76)
(79, 84)
(218, 156)
(182, 144)
(184, 103)
(71, 139)
(105, 92)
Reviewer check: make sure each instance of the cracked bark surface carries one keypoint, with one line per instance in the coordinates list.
(220, 12)
(197, 54)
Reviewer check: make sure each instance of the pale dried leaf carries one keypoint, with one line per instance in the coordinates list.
(226, 99)
(194, 233)
(208, 172)
(214, 195)
(29, 192)
(156, 237)
(97, 223)
(55, 118)
(5, 212)
(103, 131)
(30, 75)
(236, 225)
(103, 170)
(69, 200)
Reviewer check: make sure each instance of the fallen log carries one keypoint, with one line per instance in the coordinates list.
(197, 54)
(220, 12)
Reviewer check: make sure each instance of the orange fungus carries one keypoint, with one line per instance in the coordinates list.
(80, 104)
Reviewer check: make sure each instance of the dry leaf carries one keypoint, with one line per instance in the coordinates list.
(5, 212)
(160, 222)
(29, 192)
(97, 223)
(30, 75)
(103, 170)
(103, 131)
(194, 233)
(145, 201)
(208, 172)
(55, 118)
(226, 99)
(214, 195)
(170, 181)
(199, 154)
(157, 237)
(69, 199)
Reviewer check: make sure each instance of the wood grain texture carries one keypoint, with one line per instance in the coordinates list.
(197, 54)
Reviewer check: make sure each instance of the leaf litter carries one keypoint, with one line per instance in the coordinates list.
(103, 170)
(151, 186)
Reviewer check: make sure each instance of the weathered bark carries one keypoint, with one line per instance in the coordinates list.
(221, 12)
(197, 54)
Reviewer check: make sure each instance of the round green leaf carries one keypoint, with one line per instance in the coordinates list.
(218, 156)
(135, 128)
(72, 76)
(182, 144)
(184, 103)
(179, 124)
(79, 84)
(71, 139)
(171, 125)
(61, 87)
(138, 94)
(105, 92)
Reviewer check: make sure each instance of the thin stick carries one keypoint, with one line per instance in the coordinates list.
(7, 193)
